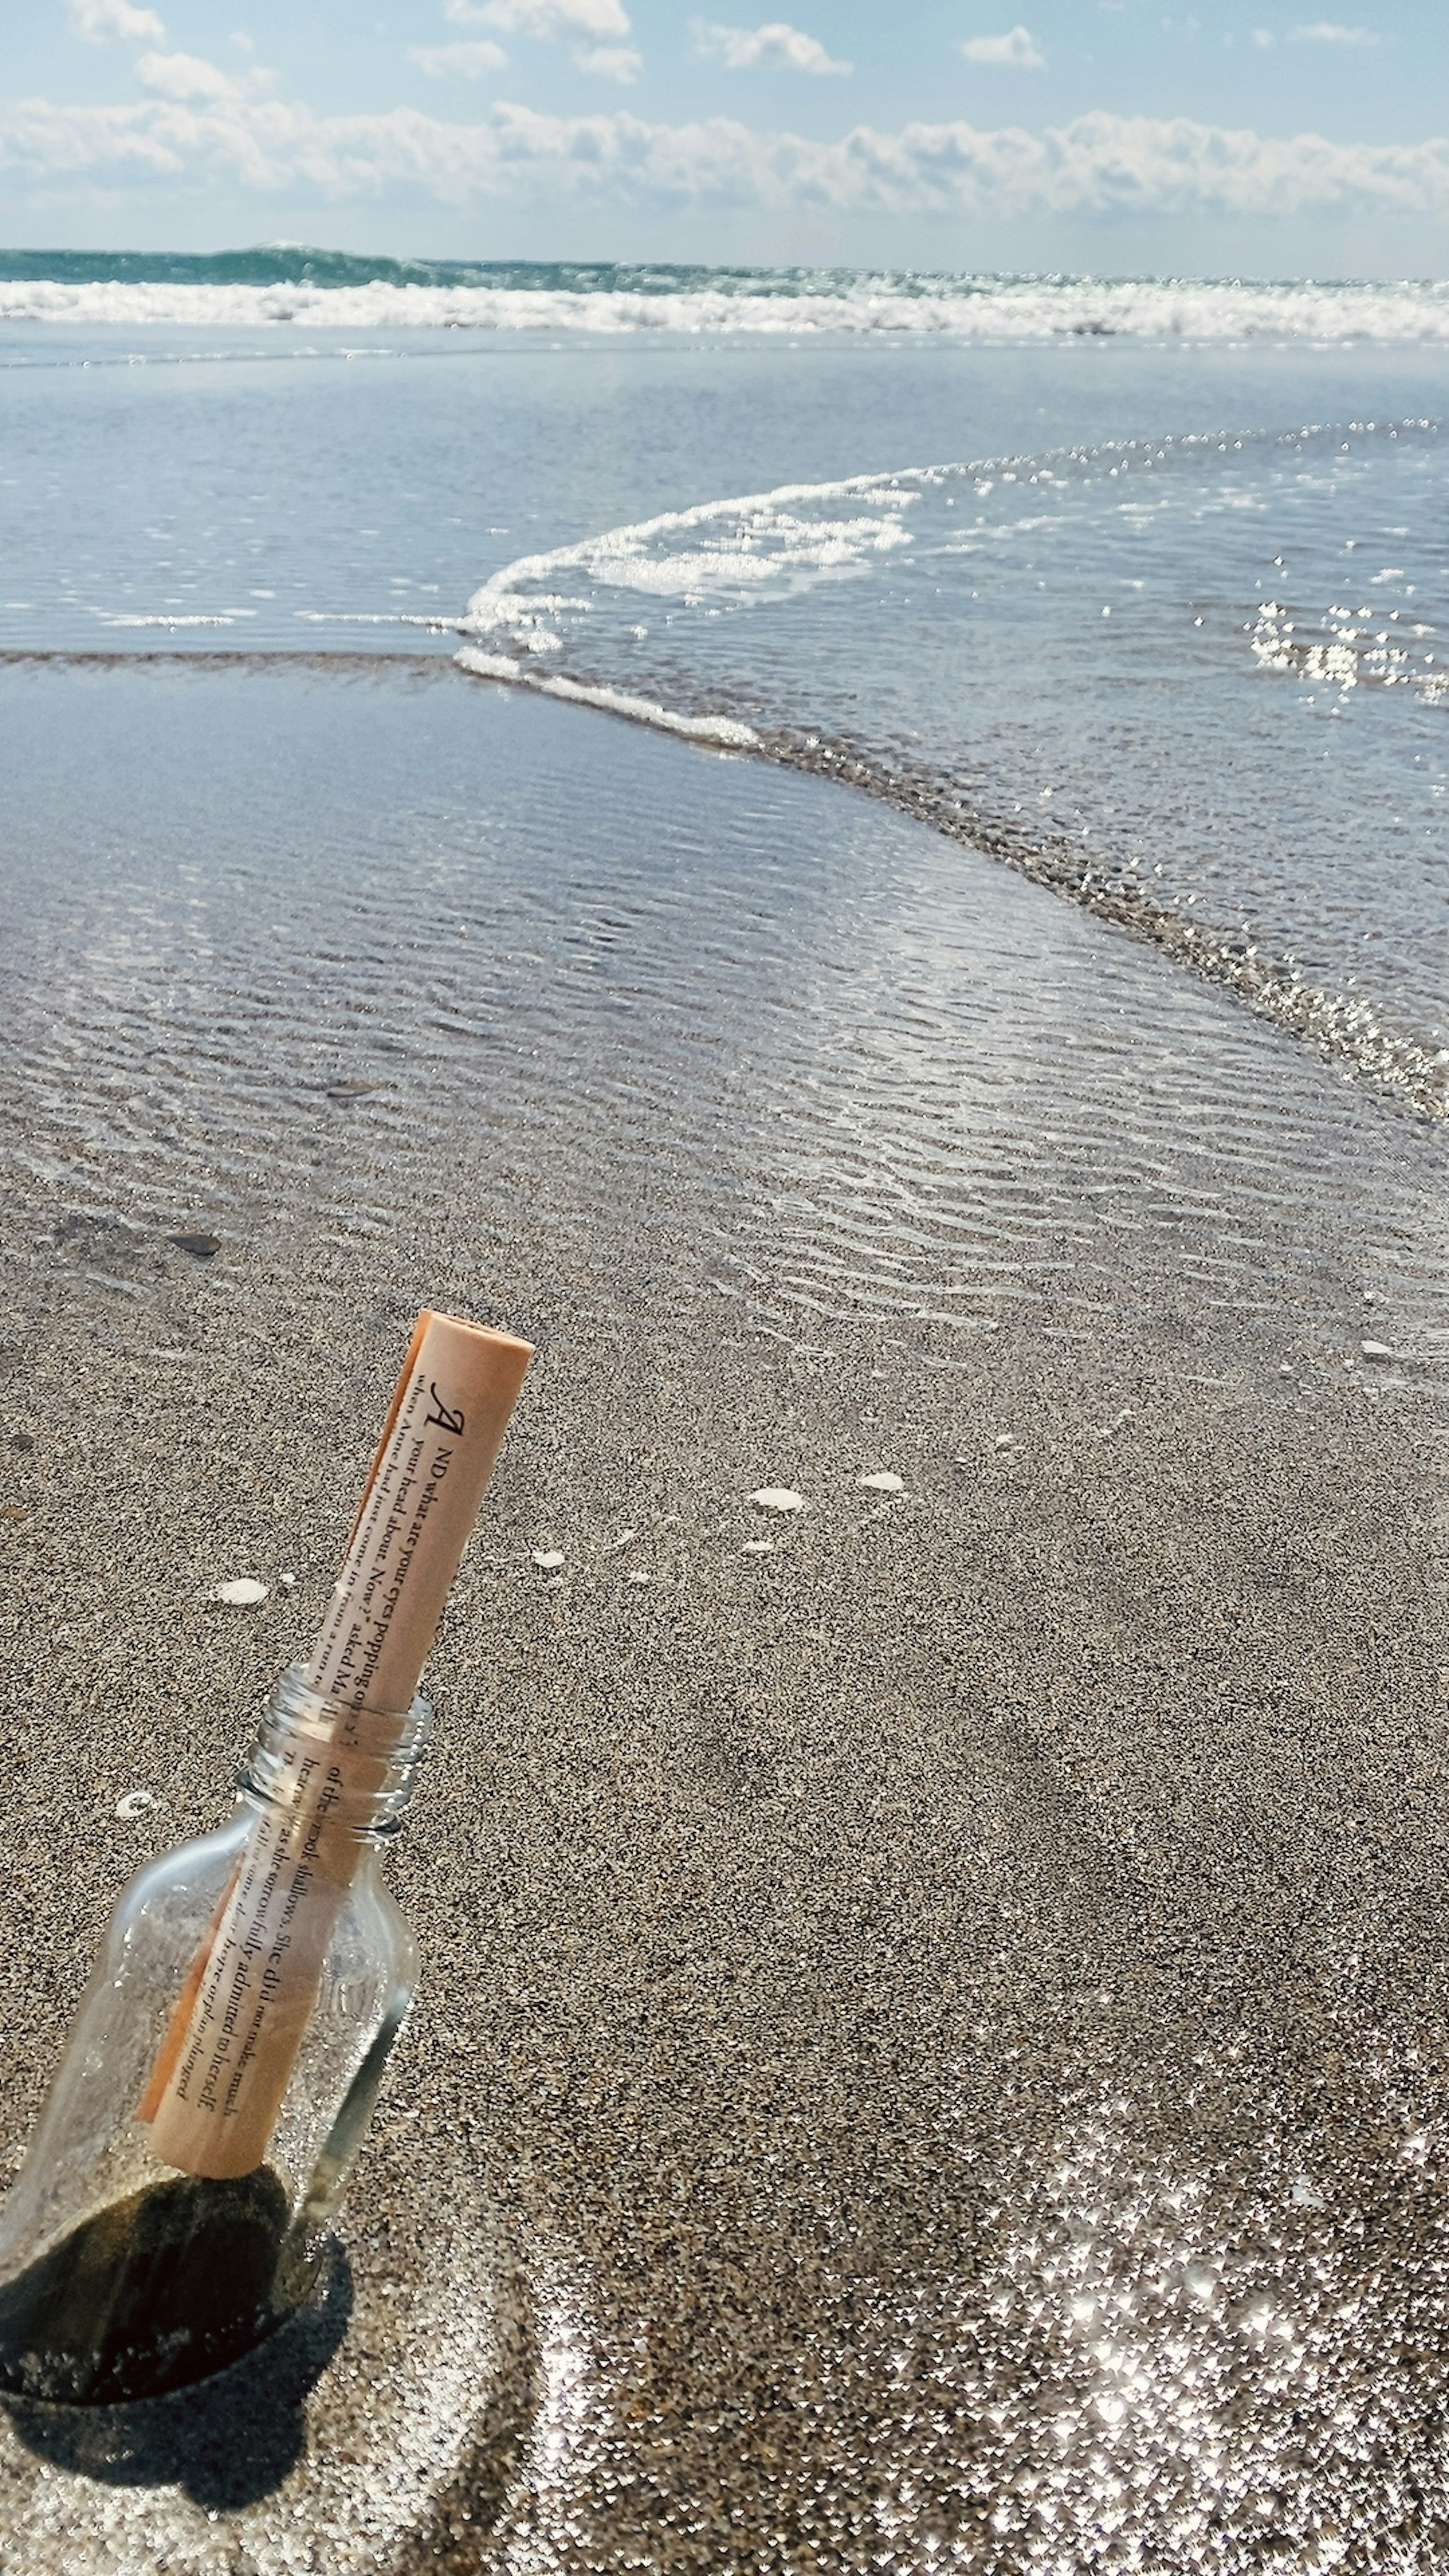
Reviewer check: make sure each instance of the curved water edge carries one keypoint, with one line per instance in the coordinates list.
(1081, 662)
(1353, 1033)
(1349, 1032)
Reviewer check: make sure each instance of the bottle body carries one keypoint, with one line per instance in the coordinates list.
(121, 2276)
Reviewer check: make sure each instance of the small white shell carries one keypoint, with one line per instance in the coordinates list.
(1376, 1350)
(777, 1498)
(244, 1594)
(884, 1483)
(758, 1547)
(134, 1802)
(548, 1558)
(636, 1574)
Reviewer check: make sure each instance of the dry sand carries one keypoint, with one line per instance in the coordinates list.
(932, 2038)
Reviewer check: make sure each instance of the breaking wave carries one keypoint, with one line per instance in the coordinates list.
(329, 291)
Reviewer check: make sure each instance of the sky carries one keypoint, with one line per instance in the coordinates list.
(1106, 136)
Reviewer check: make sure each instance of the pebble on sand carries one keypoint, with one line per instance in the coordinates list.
(244, 1594)
(201, 1246)
(548, 1558)
(1006, 1440)
(884, 1483)
(1376, 1350)
(132, 1803)
(758, 1547)
(777, 1498)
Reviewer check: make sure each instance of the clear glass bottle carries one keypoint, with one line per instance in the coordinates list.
(119, 2276)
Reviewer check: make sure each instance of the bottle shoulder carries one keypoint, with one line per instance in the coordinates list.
(182, 1887)
(380, 1922)
(187, 1879)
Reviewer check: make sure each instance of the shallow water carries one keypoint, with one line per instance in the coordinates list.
(888, 1078)
(1167, 608)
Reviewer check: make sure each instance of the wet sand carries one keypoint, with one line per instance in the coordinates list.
(931, 2043)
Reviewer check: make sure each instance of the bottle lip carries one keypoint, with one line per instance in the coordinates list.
(372, 1753)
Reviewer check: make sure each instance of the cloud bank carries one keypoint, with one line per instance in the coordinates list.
(1098, 164)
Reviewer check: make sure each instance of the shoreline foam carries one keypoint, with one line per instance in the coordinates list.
(971, 308)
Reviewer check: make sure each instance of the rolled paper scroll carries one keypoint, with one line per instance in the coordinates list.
(218, 2083)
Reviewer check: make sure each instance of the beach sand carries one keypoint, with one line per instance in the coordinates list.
(931, 2044)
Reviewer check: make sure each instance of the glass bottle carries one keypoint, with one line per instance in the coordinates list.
(119, 2276)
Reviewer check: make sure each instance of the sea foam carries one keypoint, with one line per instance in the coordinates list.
(793, 304)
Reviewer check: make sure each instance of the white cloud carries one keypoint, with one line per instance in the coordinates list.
(1262, 36)
(543, 20)
(471, 60)
(99, 20)
(1324, 32)
(185, 76)
(609, 62)
(1098, 164)
(779, 45)
(1017, 51)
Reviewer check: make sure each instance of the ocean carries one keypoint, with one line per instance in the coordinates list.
(1140, 585)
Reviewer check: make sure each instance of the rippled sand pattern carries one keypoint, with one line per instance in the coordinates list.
(887, 1079)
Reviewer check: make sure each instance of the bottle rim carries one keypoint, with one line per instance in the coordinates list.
(370, 1756)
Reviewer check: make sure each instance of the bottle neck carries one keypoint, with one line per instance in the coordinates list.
(362, 1760)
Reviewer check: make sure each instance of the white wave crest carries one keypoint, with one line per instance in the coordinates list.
(973, 309)
(719, 733)
(756, 545)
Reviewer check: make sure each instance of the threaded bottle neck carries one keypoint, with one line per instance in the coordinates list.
(366, 1757)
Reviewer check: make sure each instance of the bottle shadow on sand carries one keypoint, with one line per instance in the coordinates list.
(227, 2440)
